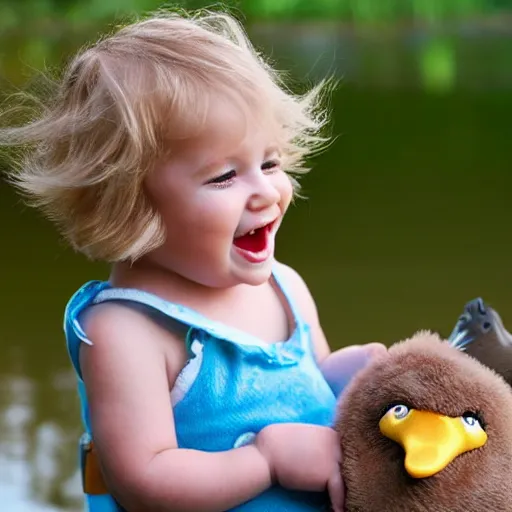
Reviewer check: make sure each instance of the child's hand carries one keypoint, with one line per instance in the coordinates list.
(342, 365)
(304, 457)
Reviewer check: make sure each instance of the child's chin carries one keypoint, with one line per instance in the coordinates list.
(258, 274)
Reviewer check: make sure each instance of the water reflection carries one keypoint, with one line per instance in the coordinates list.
(408, 218)
(36, 462)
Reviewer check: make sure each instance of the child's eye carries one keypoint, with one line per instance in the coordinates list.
(223, 179)
(270, 165)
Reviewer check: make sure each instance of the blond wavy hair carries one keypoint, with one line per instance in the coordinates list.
(123, 102)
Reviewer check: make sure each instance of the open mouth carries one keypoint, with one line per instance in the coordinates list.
(255, 243)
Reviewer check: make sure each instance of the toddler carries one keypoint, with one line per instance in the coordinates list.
(169, 151)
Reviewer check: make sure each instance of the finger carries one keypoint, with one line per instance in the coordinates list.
(336, 491)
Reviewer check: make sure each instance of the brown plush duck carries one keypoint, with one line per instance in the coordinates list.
(481, 333)
(426, 428)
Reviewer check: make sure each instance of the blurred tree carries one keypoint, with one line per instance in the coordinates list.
(20, 13)
(438, 65)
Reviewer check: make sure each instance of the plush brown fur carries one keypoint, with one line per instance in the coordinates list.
(425, 373)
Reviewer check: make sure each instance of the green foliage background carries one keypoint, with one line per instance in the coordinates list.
(14, 13)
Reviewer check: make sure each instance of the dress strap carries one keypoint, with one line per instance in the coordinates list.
(281, 282)
(73, 330)
(96, 292)
(182, 314)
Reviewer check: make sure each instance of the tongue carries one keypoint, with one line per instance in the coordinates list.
(253, 243)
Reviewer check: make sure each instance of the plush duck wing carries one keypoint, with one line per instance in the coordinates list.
(480, 333)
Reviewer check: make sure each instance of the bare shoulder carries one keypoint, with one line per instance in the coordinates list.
(112, 319)
(307, 307)
(107, 322)
(113, 327)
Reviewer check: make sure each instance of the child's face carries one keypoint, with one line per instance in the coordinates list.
(216, 188)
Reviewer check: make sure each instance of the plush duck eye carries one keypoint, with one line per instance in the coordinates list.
(472, 421)
(400, 411)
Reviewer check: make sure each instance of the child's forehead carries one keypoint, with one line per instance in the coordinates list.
(229, 124)
(226, 118)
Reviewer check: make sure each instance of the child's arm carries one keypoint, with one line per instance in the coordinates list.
(128, 372)
(127, 381)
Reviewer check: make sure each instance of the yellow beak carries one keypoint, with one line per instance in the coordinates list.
(431, 441)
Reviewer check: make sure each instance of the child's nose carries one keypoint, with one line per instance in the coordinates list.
(264, 195)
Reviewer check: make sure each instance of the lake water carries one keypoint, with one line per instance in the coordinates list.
(408, 217)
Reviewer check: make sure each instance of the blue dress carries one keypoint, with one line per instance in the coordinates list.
(232, 386)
